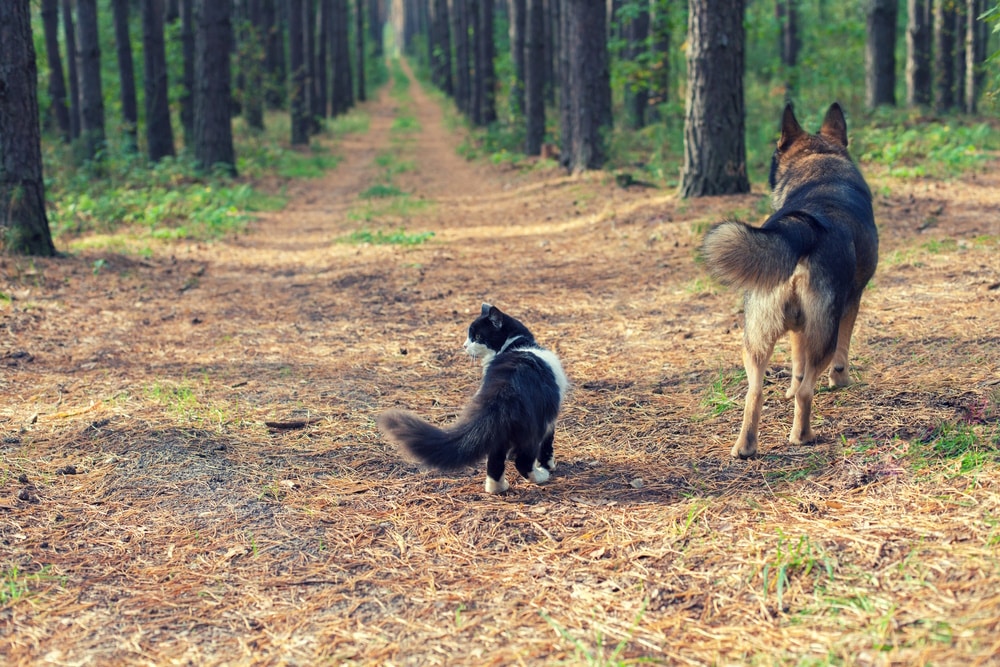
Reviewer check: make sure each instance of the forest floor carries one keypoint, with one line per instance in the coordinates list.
(150, 515)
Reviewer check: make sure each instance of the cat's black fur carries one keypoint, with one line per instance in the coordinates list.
(513, 415)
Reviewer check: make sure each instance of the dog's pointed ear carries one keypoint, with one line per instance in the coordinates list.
(790, 128)
(835, 125)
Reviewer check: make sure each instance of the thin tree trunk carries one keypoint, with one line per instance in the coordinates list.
(213, 91)
(534, 76)
(660, 80)
(459, 29)
(972, 50)
(375, 22)
(636, 33)
(159, 133)
(516, 29)
(24, 227)
(714, 130)
(359, 47)
(69, 31)
(187, 46)
(126, 74)
(253, 97)
(273, 34)
(322, 58)
(944, 54)
(485, 72)
(299, 80)
(880, 53)
(918, 52)
(57, 81)
(89, 66)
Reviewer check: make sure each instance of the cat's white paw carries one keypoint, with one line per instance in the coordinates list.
(551, 464)
(539, 475)
(493, 486)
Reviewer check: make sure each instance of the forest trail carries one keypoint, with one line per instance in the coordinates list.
(150, 514)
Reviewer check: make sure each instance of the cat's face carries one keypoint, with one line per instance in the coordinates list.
(486, 334)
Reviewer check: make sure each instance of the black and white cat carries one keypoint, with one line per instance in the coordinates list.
(512, 415)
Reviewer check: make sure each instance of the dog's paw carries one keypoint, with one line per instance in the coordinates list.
(801, 437)
(839, 378)
(744, 449)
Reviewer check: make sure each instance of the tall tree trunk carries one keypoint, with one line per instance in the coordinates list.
(944, 56)
(459, 29)
(636, 34)
(322, 58)
(442, 48)
(254, 56)
(589, 89)
(298, 99)
(551, 45)
(57, 81)
(359, 47)
(187, 46)
(659, 88)
(24, 227)
(516, 29)
(309, 42)
(159, 133)
(273, 33)
(918, 52)
(375, 21)
(972, 52)
(485, 72)
(880, 53)
(69, 31)
(126, 74)
(566, 84)
(534, 76)
(89, 67)
(213, 90)
(342, 95)
(714, 131)
(788, 17)
(171, 11)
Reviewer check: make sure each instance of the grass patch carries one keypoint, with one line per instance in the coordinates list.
(16, 585)
(382, 191)
(716, 399)
(377, 237)
(967, 447)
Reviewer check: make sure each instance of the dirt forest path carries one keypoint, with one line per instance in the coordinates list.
(191, 473)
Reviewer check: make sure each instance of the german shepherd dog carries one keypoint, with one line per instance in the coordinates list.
(803, 270)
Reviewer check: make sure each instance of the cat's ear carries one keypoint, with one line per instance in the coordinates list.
(486, 310)
(496, 317)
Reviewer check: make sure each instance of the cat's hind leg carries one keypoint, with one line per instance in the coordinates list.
(546, 456)
(527, 464)
(496, 481)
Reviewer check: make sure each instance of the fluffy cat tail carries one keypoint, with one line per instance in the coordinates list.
(756, 257)
(465, 443)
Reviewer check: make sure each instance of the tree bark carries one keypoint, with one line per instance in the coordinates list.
(460, 30)
(636, 34)
(880, 53)
(69, 31)
(359, 47)
(213, 89)
(159, 133)
(944, 55)
(972, 51)
(534, 76)
(322, 59)
(918, 52)
(299, 82)
(485, 73)
(187, 46)
(89, 67)
(714, 126)
(660, 78)
(375, 21)
(24, 227)
(273, 34)
(253, 63)
(126, 74)
(589, 84)
(57, 81)
(516, 29)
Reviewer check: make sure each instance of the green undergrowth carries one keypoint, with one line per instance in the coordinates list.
(399, 237)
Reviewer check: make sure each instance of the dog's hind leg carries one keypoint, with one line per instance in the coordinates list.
(839, 377)
(798, 362)
(755, 363)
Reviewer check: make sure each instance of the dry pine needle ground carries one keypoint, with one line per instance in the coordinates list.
(149, 515)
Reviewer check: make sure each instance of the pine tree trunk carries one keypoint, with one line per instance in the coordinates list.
(57, 81)
(187, 46)
(566, 84)
(171, 11)
(309, 42)
(213, 130)
(24, 227)
(299, 82)
(918, 52)
(459, 29)
(359, 47)
(880, 53)
(636, 33)
(714, 132)
(485, 72)
(972, 51)
(159, 133)
(944, 55)
(375, 22)
(659, 89)
(89, 67)
(126, 74)
(273, 34)
(516, 29)
(534, 76)
(589, 91)
(342, 95)
(322, 58)
(69, 32)
(253, 96)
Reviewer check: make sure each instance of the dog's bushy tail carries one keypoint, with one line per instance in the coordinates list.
(756, 257)
(467, 442)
